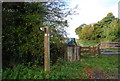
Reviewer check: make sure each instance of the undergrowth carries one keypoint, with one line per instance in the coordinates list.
(64, 70)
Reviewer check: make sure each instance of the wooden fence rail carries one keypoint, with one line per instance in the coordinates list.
(109, 48)
(89, 49)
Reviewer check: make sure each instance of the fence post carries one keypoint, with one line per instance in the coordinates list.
(99, 51)
(80, 50)
(94, 50)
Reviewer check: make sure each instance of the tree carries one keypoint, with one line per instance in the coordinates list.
(79, 30)
(105, 30)
(22, 39)
(110, 14)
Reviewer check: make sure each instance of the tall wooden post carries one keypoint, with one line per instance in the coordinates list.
(47, 49)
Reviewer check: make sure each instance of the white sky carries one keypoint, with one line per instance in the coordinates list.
(90, 11)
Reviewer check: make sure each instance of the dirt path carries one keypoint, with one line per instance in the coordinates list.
(92, 74)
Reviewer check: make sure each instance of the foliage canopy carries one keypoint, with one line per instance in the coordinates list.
(105, 30)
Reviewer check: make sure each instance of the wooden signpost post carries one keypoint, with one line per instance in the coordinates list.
(46, 48)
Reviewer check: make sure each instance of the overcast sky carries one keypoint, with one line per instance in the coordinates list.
(90, 11)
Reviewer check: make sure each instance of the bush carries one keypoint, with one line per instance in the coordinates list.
(23, 72)
(57, 51)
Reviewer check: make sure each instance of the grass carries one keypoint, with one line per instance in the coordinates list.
(88, 43)
(65, 70)
(103, 61)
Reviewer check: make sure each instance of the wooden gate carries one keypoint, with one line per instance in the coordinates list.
(73, 52)
(89, 50)
(109, 48)
(104, 48)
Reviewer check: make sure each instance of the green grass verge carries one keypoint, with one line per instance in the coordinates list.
(65, 70)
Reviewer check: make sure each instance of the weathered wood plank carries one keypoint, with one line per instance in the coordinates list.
(78, 54)
(110, 47)
(111, 50)
(74, 54)
(84, 47)
(109, 53)
(110, 42)
(71, 53)
(84, 50)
